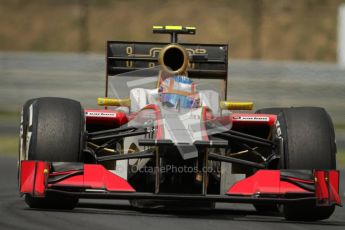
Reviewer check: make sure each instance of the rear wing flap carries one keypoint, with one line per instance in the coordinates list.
(206, 60)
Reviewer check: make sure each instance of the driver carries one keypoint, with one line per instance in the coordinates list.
(179, 91)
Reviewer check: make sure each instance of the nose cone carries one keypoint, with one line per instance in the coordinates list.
(183, 129)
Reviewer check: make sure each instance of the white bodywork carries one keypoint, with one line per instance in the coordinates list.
(141, 97)
(180, 127)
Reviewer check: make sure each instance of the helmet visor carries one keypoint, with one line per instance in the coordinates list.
(172, 100)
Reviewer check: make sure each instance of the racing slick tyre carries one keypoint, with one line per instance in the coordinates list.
(52, 129)
(309, 143)
(266, 208)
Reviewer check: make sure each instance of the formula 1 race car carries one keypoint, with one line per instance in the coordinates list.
(167, 137)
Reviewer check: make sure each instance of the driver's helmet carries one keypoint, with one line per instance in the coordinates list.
(178, 90)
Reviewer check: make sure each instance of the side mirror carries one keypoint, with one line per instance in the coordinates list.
(103, 101)
(230, 105)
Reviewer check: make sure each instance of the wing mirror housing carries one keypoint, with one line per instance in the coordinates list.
(230, 105)
(104, 101)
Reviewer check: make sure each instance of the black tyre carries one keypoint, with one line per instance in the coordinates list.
(52, 129)
(52, 201)
(266, 208)
(309, 143)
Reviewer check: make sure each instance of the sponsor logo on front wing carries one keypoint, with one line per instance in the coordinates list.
(100, 114)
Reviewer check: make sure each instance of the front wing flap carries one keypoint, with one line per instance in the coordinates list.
(38, 178)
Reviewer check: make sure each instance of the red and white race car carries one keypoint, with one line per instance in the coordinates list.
(167, 137)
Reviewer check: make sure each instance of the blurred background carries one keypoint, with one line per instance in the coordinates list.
(282, 52)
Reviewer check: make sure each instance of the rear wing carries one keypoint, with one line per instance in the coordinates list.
(208, 61)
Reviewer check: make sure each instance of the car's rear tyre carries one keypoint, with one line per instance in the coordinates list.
(52, 129)
(309, 143)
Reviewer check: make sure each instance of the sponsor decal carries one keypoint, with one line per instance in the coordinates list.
(250, 118)
(29, 133)
(279, 131)
(100, 114)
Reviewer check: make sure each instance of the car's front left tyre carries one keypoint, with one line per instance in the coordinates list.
(52, 130)
(309, 143)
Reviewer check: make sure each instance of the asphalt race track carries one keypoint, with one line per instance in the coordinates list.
(105, 214)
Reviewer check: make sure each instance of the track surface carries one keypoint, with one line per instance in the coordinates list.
(104, 214)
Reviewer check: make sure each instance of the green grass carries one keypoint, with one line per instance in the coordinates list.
(9, 117)
(341, 159)
(339, 126)
(9, 142)
(9, 145)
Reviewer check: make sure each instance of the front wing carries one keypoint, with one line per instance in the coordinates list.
(39, 178)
